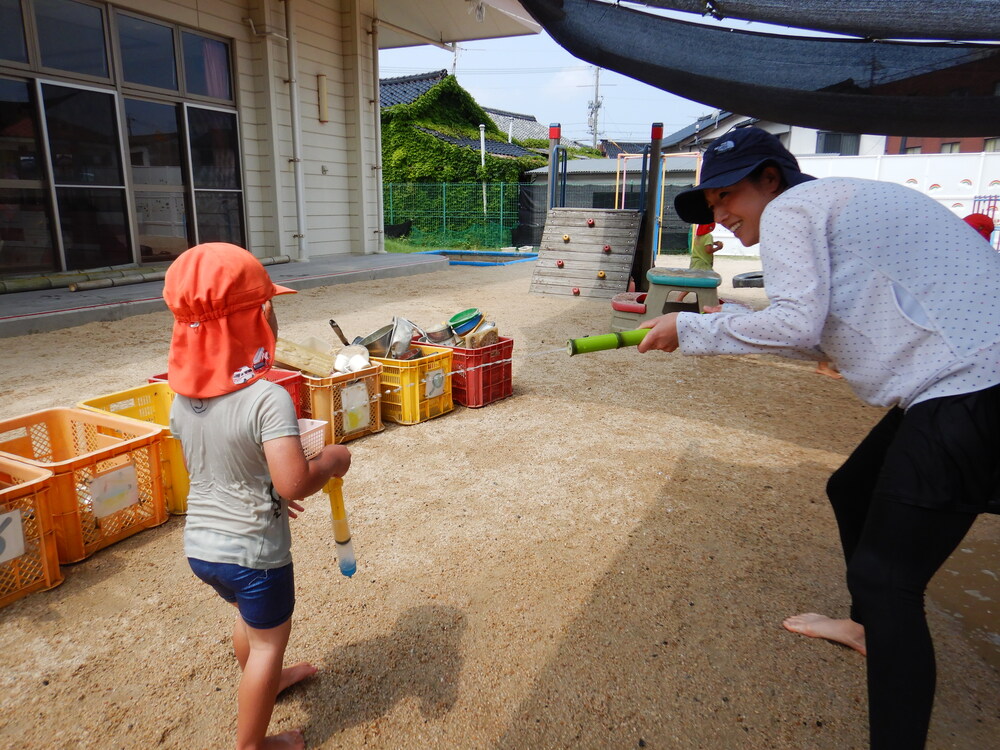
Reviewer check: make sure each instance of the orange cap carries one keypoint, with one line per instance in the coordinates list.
(221, 340)
(704, 229)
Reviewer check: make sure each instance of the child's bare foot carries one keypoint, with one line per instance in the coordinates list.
(846, 632)
(290, 740)
(295, 673)
(825, 368)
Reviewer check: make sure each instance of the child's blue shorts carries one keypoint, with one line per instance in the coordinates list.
(265, 598)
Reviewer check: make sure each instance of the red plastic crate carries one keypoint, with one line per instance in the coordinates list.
(290, 380)
(482, 376)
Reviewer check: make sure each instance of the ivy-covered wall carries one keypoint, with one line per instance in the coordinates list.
(411, 155)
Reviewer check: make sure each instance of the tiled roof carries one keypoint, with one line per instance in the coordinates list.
(496, 148)
(406, 89)
(613, 148)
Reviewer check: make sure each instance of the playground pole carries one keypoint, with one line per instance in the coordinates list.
(644, 250)
(555, 134)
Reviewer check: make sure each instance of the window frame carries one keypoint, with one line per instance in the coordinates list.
(36, 76)
(35, 42)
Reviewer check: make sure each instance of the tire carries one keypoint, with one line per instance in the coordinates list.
(750, 279)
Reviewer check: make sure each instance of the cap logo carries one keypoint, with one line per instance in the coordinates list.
(724, 146)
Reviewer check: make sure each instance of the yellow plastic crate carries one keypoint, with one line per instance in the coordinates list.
(349, 402)
(106, 484)
(415, 390)
(151, 403)
(29, 559)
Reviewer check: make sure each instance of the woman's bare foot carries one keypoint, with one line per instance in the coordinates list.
(846, 632)
(295, 673)
(831, 371)
(290, 740)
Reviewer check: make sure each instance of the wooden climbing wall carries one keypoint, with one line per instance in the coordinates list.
(589, 250)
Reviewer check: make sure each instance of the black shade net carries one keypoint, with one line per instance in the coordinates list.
(848, 85)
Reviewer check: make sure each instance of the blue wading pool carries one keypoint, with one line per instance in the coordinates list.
(481, 257)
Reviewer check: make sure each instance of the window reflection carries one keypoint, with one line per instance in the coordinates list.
(25, 232)
(83, 136)
(220, 217)
(12, 45)
(71, 36)
(214, 148)
(18, 132)
(162, 225)
(154, 143)
(94, 227)
(147, 50)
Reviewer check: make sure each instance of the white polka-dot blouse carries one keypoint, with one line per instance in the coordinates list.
(891, 286)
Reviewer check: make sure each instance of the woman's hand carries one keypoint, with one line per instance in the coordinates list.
(662, 334)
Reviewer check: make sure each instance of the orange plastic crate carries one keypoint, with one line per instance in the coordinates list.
(349, 402)
(106, 482)
(290, 380)
(482, 376)
(30, 560)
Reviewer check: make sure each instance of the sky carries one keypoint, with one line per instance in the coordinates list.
(533, 75)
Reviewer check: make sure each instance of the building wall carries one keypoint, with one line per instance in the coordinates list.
(340, 186)
(897, 145)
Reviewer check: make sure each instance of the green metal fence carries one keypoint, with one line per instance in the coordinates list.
(441, 214)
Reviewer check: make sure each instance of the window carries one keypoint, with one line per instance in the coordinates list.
(206, 66)
(71, 37)
(124, 179)
(217, 189)
(950, 148)
(147, 52)
(26, 243)
(845, 144)
(991, 144)
(912, 150)
(12, 46)
(82, 127)
(163, 215)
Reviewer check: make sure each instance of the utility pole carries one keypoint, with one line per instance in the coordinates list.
(595, 107)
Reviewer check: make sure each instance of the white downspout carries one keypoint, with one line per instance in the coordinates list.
(293, 107)
(377, 167)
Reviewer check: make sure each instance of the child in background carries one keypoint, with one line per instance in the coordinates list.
(703, 247)
(240, 438)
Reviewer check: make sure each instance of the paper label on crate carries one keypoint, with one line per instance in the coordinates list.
(114, 490)
(435, 383)
(11, 536)
(354, 399)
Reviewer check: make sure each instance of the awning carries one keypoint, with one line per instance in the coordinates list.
(909, 88)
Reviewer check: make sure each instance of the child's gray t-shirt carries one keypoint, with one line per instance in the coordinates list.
(233, 513)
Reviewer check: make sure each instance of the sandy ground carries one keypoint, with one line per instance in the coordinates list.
(600, 561)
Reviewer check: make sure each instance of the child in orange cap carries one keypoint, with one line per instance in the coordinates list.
(240, 439)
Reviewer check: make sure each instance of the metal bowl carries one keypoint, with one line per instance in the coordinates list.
(438, 333)
(377, 342)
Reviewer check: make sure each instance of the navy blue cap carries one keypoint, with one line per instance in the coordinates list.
(728, 160)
